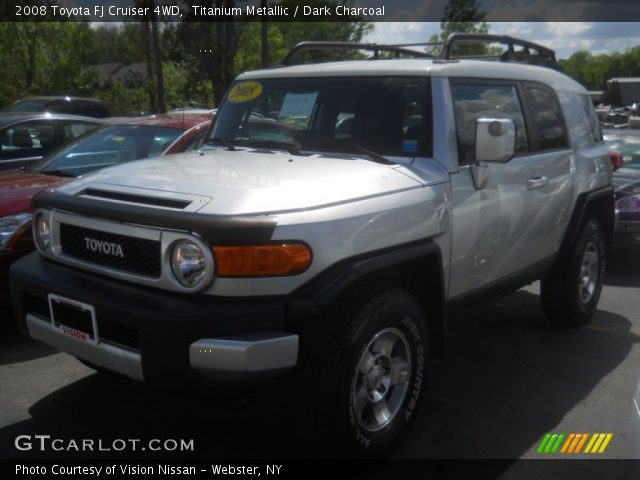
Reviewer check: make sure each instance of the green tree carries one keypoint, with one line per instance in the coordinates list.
(45, 58)
(461, 16)
(593, 71)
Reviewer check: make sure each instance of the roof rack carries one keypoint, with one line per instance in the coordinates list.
(397, 50)
(542, 56)
(530, 52)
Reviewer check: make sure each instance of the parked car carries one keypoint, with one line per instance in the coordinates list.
(626, 182)
(131, 139)
(27, 137)
(331, 258)
(88, 107)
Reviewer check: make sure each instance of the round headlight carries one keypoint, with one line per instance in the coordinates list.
(188, 263)
(42, 231)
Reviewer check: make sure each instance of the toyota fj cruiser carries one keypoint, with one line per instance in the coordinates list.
(337, 216)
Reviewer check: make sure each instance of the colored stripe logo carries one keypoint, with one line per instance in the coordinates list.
(574, 443)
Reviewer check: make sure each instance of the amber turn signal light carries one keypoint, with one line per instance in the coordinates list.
(261, 260)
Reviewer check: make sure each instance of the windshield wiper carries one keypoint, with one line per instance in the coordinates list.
(376, 157)
(224, 141)
(290, 148)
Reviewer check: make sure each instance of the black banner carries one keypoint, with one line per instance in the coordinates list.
(328, 469)
(315, 10)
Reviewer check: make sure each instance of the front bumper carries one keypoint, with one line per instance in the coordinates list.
(6, 259)
(155, 336)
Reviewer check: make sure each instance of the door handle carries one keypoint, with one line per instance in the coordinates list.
(537, 182)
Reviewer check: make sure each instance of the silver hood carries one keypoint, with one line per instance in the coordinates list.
(251, 182)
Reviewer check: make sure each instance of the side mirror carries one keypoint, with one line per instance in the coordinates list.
(495, 139)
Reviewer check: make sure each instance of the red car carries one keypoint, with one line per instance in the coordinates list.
(121, 140)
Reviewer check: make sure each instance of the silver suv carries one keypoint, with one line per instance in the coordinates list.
(338, 214)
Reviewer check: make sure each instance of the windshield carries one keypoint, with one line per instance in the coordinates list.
(108, 146)
(383, 115)
(34, 105)
(628, 146)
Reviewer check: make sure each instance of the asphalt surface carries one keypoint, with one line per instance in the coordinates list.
(508, 378)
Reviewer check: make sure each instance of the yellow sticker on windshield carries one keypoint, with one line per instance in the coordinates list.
(244, 91)
(116, 138)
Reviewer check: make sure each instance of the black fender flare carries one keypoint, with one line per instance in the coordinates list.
(599, 204)
(422, 258)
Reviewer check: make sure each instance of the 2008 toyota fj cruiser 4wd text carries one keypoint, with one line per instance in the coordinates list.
(337, 215)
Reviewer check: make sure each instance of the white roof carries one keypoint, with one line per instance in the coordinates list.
(421, 66)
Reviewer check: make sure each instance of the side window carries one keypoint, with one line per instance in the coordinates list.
(101, 110)
(578, 122)
(587, 104)
(27, 139)
(195, 143)
(59, 106)
(73, 129)
(82, 107)
(547, 116)
(474, 101)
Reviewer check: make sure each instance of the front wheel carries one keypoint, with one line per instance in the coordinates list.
(368, 386)
(571, 291)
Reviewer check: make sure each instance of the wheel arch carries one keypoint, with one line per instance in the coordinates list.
(598, 205)
(415, 267)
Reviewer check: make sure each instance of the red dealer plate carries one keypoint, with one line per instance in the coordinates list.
(74, 319)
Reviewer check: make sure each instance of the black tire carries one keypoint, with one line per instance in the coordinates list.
(383, 328)
(570, 292)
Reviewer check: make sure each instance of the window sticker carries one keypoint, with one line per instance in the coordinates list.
(116, 138)
(298, 106)
(409, 146)
(244, 92)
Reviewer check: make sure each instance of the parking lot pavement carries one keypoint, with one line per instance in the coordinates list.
(507, 379)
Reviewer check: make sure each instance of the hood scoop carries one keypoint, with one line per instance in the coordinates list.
(144, 197)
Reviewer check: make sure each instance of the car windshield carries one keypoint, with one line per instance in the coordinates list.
(627, 145)
(353, 115)
(33, 105)
(108, 146)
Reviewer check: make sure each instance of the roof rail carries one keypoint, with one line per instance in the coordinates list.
(542, 56)
(372, 47)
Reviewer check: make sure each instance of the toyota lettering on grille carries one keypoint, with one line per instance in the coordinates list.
(102, 246)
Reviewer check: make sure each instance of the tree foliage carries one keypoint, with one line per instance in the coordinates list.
(462, 16)
(198, 59)
(593, 71)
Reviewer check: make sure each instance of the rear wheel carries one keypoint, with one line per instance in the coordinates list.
(571, 291)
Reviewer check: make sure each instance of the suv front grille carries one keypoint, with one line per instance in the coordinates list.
(129, 254)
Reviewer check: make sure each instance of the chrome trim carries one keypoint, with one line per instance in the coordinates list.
(104, 355)
(244, 357)
(165, 281)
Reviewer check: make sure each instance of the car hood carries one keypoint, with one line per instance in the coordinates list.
(17, 188)
(626, 181)
(250, 181)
